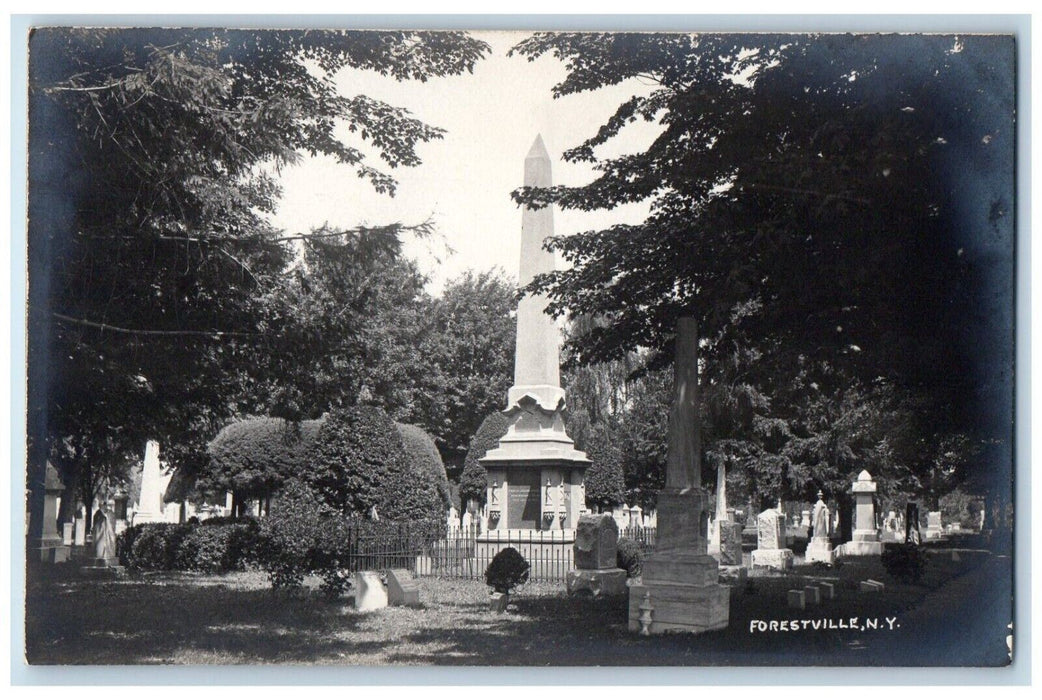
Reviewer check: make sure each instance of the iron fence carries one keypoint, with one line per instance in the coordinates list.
(466, 553)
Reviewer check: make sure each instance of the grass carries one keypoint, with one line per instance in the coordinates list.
(952, 617)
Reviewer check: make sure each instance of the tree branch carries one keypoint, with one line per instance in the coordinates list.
(131, 331)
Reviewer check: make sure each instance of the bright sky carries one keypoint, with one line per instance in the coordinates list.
(464, 183)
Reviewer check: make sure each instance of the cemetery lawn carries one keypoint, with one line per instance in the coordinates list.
(951, 618)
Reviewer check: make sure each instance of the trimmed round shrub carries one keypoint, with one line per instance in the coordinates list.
(473, 483)
(253, 458)
(358, 461)
(904, 562)
(422, 454)
(629, 557)
(507, 571)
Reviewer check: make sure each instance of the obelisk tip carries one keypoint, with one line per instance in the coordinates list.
(538, 149)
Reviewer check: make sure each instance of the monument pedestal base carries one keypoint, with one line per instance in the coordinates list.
(596, 582)
(780, 559)
(50, 552)
(861, 548)
(820, 549)
(680, 592)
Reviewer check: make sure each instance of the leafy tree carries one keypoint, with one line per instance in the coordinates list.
(150, 256)
(472, 351)
(473, 483)
(838, 202)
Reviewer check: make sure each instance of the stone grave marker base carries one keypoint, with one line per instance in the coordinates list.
(596, 582)
(684, 593)
(820, 549)
(780, 559)
(402, 588)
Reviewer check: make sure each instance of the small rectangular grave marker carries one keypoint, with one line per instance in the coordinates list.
(828, 590)
(402, 588)
(812, 595)
(797, 600)
(871, 586)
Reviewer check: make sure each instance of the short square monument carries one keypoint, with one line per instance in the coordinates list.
(596, 549)
(865, 540)
(771, 551)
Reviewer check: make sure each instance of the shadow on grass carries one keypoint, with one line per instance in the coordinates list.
(955, 616)
(138, 621)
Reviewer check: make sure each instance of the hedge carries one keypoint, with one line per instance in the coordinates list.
(212, 546)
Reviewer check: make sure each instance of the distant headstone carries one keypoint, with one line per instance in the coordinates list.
(369, 591)
(828, 589)
(865, 539)
(934, 525)
(770, 549)
(730, 552)
(104, 535)
(402, 588)
(80, 537)
(812, 595)
(68, 534)
(871, 586)
(797, 599)
(468, 521)
(805, 518)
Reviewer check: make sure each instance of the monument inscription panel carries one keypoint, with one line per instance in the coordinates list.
(523, 498)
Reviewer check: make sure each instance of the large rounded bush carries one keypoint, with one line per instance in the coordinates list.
(358, 461)
(253, 458)
(474, 479)
(422, 454)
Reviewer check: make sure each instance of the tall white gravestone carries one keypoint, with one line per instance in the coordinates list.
(535, 474)
(771, 551)
(150, 503)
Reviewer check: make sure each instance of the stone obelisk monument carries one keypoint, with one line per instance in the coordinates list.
(150, 503)
(535, 474)
(680, 589)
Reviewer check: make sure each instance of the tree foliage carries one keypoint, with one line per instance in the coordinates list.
(605, 486)
(471, 356)
(154, 277)
(836, 209)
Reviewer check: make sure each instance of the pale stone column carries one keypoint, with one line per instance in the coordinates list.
(536, 362)
(150, 504)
